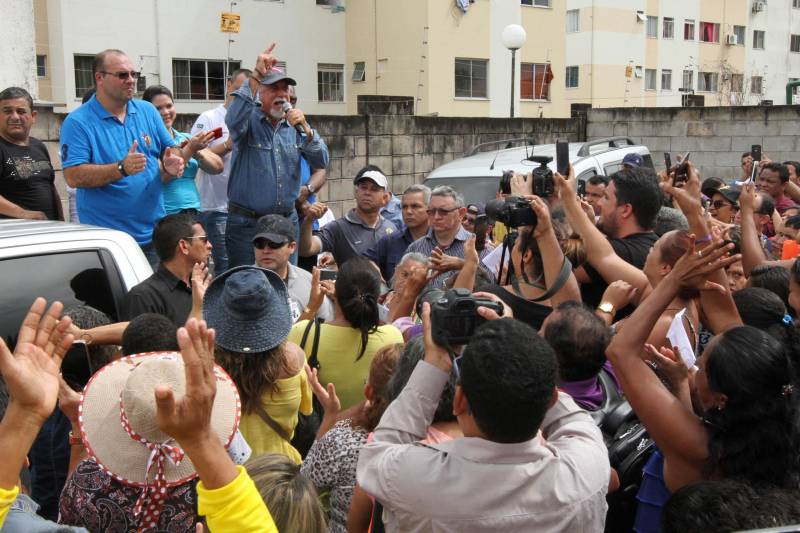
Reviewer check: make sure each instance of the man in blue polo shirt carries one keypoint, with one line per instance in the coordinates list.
(265, 166)
(114, 150)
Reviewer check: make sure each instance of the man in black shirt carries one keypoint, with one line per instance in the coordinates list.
(628, 210)
(180, 242)
(27, 180)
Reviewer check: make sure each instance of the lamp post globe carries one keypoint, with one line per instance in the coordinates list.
(514, 37)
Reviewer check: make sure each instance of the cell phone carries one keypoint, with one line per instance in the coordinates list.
(77, 366)
(682, 172)
(755, 151)
(581, 188)
(562, 157)
(217, 132)
(667, 161)
(327, 275)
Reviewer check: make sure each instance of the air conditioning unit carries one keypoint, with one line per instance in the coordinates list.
(731, 39)
(638, 72)
(758, 7)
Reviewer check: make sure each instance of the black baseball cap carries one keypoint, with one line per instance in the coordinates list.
(274, 228)
(275, 75)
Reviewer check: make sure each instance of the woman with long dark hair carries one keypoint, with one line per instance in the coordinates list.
(347, 344)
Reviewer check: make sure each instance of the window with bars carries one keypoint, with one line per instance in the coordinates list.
(709, 32)
(757, 85)
(649, 79)
(201, 79)
(330, 82)
(759, 37)
(573, 21)
(707, 82)
(652, 27)
(537, 3)
(666, 79)
(535, 81)
(688, 30)
(571, 77)
(41, 66)
(688, 80)
(739, 32)
(668, 28)
(84, 76)
(471, 76)
(794, 43)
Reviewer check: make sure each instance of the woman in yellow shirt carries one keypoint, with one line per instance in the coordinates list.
(248, 307)
(348, 343)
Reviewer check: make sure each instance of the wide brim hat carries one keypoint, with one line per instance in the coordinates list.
(248, 307)
(127, 385)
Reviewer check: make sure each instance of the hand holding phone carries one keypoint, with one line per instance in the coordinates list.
(562, 157)
(326, 274)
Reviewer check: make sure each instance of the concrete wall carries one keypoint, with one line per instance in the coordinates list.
(716, 137)
(17, 50)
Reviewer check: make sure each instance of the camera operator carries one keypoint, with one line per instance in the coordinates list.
(537, 256)
(506, 392)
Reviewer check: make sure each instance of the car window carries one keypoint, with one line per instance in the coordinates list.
(73, 278)
(648, 161)
(475, 189)
(586, 174)
(612, 167)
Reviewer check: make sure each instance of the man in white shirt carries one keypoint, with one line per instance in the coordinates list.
(503, 475)
(213, 188)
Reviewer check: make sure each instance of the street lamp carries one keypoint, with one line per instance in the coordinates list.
(513, 38)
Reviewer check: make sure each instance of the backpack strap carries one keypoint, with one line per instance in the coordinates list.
(313, 361)
(277, 428)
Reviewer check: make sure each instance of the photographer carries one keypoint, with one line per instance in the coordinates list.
(505, 394)
(537, 256)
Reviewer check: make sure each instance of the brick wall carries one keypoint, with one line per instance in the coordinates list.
(716, 136)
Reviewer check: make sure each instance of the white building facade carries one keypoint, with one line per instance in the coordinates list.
(178, 43)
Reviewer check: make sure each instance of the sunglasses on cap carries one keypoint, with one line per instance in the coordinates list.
(263, 243)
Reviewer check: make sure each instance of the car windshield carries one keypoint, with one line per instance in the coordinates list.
(475, 190)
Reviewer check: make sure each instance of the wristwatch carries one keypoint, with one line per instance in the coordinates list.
(606, 307)
(121, 168)
(310, 189)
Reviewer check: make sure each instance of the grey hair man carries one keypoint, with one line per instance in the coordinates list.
(387, 252)
(446, 237)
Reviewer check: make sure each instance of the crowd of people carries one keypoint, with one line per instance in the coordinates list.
(625, 359)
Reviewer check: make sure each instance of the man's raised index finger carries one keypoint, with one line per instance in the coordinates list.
(270, 49)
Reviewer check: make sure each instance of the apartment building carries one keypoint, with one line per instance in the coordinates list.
(646, 53)
(448, 56)
(178, 43)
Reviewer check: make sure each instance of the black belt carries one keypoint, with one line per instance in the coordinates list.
(245, 212)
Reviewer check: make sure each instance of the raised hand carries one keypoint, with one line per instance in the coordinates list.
(188, 419)
(316, 211)
(692, 269)
(173, 163)
(543, 223)
(295, 116)
(619, 294)
(522, 184)
(200, 141)
(265, 61)
(326, 395)
(444, 263)
(567, 186)
(134, 161)
(491, 314)
(747, 199)
(31, 373)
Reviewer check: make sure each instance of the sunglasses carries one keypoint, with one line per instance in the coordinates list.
(263, 243)
(123, 75)
(719, 204)
(202, 238)
(441, 211)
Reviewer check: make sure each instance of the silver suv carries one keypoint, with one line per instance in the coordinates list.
(477, 174)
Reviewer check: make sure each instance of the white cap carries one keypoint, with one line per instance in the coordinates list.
(374, 175)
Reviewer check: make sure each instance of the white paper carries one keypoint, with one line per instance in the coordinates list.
(492, 260)
(679, 339)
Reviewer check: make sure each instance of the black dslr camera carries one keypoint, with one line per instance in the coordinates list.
(454, 316)
(512, 211)
(543, 184)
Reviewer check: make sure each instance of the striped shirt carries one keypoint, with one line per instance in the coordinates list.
(425, 245)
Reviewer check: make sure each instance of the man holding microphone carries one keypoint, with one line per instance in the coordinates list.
(268, 138)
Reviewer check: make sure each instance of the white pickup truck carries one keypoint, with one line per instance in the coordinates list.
(72, 263)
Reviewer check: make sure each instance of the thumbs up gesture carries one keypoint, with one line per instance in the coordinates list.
(134, 161)
(173, 162)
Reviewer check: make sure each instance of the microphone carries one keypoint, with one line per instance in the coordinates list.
(298, 127)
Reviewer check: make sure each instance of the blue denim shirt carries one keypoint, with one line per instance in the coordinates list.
(22, 518)
(265, 165)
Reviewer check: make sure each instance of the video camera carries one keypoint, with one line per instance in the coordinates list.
(512, 211)
(543, 184)
(454, 316)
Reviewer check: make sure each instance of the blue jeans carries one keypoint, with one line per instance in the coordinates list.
(239, 239)
(214, 223)
(150, 253)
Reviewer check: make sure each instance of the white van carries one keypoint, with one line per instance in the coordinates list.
(477, 174)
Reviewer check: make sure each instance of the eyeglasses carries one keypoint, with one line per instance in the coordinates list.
(263, 243)
(203, 238)
(441, 211)
(719, 204)
(123, 75)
